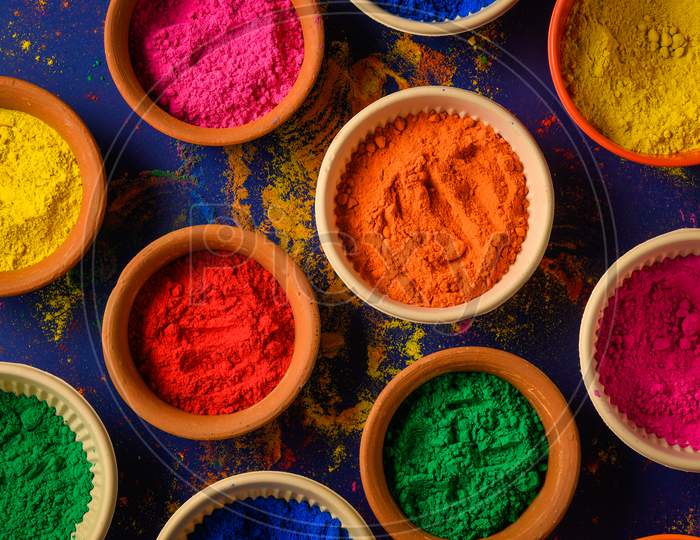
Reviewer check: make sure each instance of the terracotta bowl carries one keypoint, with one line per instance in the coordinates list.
(557, 29)
(120, 363)
(117, 26)
(22, 96)
(550, 505)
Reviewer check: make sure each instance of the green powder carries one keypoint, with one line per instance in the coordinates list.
(45, 477)
(465, 455)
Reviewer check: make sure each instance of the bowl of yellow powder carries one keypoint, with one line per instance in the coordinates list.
(52, 187)
(629, 75)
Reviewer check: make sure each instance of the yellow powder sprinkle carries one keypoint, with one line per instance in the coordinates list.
(25, 44)
(633, 69)
(40, 190)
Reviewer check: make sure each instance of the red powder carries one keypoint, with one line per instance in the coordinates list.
(212, 333)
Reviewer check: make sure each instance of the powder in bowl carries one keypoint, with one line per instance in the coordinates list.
(465, 455)
(216, 64)
(45, 477)
(632, 71)
(434, 10)
(212, 333)
(648, 347)
(432, 209)
(270, 518)
(41, 190)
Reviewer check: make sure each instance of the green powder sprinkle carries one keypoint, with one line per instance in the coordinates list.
(465, 455)
(45, 477)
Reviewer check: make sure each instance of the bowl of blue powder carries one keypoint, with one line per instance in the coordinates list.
(266, 504)
(434, 17)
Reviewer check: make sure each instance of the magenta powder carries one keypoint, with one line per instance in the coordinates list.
(648, 351)
(216, 63)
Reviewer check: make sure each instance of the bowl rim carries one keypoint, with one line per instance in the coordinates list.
(295, 484)
(444, 28)
(19, 95)
(85, 411)
(672, 456)
(122, 72)
(558, 489)
(120, 363)
(557, 28)
(327, 231)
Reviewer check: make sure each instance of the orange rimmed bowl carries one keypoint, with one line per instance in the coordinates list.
(557, 491)
(557, 29)
(115, 331)
(28, 98)
(117, 25)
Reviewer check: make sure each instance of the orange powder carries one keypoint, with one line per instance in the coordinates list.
(432, 209)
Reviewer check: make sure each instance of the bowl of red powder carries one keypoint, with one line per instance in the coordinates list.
(210, 72)
(269, 520)
(639, 347)
(210, 332)
(434, 204)
(464, 438)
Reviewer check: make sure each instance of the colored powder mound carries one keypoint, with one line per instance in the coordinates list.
(465, 455)
(212, 333)
(648, 350)
(213, 63)
(432, 209)
(45, 477)
(41, 190)
(434, 10)
(633, 71)
(269, 518)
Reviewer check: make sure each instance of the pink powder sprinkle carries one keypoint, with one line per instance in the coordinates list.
(216, 63)
(648, 350)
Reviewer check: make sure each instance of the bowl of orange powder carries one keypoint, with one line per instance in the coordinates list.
(434, 204)
(210, 332)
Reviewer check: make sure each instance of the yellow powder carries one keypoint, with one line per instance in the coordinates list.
(40, 190)
(633, 70)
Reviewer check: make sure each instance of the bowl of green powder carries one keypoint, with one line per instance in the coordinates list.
(470, 443)
(57, 459)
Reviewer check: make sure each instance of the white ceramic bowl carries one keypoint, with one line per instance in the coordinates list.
(436, 28)
(262, 484)
(453, 100)
(670, 245)
(81, 418)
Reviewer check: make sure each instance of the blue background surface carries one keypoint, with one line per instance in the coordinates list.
(605, 206)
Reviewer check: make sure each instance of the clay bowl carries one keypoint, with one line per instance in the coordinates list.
(22, 96)
(550, 505)
(120, 363)
(118, 56)
(557, 29)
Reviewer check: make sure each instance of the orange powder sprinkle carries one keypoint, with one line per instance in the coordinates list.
(432, 209)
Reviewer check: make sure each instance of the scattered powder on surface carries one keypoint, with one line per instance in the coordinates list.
(212, 333)
(45, 477)
(648, 350)
(216, 63)
(633, 69)
(432, 209)
(269, 518)
(40, 190)
(465, 455)
(434, 10)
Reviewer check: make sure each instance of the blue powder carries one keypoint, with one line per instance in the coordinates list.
(433, 10)
(269, 518)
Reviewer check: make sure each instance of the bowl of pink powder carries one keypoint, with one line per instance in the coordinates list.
(211, 72)
(640, 349)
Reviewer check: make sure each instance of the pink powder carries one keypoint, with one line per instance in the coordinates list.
(216, 63)
(648, 350)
